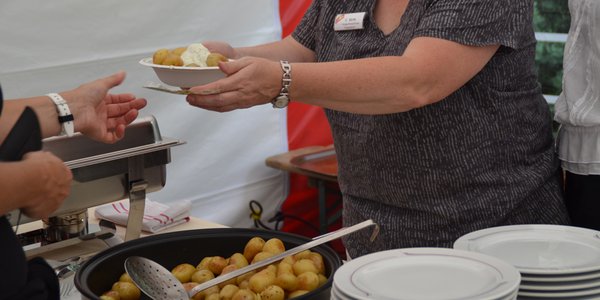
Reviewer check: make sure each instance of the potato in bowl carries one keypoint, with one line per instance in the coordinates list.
(186, 67)
(184, 77)
(98, 274)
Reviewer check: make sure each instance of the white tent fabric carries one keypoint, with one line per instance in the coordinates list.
(51, 46)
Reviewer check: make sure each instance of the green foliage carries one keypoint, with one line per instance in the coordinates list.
(549, 57)
(550, 16)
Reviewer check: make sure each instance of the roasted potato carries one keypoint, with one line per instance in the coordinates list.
(159, 56)
(304, 265)
(125, 277)
(308, 281)
(214, 58)
(228, 291)
(272, 292)
(253, 246)
(228, 269)
(261, 280)
(274, 246)
(190, 285)
(201, 276)
(216, 264)
(127, 290)
(244, 294)
(183, 272)
(238, 259)
(110, 295)
(172, 59)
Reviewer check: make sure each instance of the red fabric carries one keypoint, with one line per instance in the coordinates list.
(307, 126)
(291, 12)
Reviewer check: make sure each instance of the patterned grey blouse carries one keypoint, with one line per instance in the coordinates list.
(482, 157)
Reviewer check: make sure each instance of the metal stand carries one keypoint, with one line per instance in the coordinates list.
(324, 220)
(137, 197)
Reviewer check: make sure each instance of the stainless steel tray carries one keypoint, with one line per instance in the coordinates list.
(101, 171)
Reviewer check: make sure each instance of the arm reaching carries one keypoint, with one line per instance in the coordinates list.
(97, 114)
(429, 70)
(40, 182)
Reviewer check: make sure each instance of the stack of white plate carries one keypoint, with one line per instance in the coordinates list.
(556, 262)
(425, 273)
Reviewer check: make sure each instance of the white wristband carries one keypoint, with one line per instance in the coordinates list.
(65, 118)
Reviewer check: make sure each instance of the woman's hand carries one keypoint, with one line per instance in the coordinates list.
(100, 115)
(48, 183)
(250, 81)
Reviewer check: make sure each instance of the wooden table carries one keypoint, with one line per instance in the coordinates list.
(319, 164)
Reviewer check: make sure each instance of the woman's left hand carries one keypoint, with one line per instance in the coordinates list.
(250, 81)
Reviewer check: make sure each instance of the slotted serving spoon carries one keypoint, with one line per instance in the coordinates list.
(159, 283)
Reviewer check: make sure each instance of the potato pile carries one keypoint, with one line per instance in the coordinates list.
(173, 57)
(291, 277)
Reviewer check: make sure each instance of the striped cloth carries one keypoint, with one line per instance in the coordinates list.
(157, 216)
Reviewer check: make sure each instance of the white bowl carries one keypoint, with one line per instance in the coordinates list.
(184, 77)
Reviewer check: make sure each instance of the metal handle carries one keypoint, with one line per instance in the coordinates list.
(137, 197)
(315, 242)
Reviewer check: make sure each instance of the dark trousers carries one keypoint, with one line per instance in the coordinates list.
(582, 196)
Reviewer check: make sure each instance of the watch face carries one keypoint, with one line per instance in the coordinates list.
(281, 102)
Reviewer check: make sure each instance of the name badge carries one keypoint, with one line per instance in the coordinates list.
(351, 21)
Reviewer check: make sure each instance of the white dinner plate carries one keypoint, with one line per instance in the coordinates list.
(538, 249)
(560, 286)
(593, 297)
(561, 278)
(426, 273)
(336, 294)
(564, 294)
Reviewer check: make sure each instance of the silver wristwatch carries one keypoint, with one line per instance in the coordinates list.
(283, 99)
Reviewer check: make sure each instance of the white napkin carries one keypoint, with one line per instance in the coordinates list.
(157, 216)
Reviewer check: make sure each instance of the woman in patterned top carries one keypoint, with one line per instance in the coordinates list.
(439, 124)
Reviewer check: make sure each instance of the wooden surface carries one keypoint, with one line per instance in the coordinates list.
(315, 161)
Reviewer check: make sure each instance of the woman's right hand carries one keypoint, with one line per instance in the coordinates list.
(49, 184)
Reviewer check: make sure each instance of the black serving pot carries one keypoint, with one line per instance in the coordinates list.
(98, 274)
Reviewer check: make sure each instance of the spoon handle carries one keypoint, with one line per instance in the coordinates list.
(315, 242)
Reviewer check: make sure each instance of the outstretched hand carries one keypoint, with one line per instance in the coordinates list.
(100, 115)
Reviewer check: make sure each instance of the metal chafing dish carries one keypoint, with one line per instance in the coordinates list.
(104, 173)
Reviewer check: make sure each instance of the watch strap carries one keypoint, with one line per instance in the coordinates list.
(65, 117)
(283, 98)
